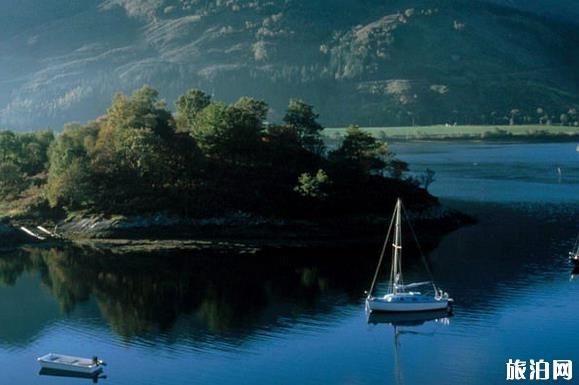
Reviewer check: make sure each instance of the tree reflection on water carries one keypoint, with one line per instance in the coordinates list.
(146, 294)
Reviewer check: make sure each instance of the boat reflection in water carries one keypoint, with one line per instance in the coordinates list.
(574, 273)
(409, 319)
(402, 321)
(95, 377)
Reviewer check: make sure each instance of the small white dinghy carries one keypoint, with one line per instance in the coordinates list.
(398, 299)
(61, 362)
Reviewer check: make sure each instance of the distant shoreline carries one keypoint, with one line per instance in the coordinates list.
(517, 133)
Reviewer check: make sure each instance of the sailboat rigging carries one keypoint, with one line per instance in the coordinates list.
(398, 298)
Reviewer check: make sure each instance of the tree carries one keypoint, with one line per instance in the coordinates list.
(141, 151)
(252, 107)
(541, 115)
(142, 109)
(301, 117)
(8, 146)
(28, 151)
(572, 113)
(513, 116)
(427, 178)
(12, 179)
(229, 133)
(33, 151)
(313, 186)
(136, 170)
(564, 119)
(397, 167)
(69, 174)
(211, 129)
(248, 115)
(285, 156)
(188, 106)
(362, 151)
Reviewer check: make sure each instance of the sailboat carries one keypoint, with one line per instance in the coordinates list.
(399, 298)
(574, 255)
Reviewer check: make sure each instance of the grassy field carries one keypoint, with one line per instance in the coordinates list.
(488, 132)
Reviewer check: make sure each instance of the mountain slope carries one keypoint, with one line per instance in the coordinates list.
(561, 9)
(369, 62)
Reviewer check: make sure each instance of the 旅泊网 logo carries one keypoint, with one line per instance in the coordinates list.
(539, 370)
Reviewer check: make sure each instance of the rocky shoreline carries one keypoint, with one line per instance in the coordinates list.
(239, 231)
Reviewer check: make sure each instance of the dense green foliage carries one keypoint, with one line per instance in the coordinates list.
(22, 156)
(313, 186)
(188, 106)
(210, 159)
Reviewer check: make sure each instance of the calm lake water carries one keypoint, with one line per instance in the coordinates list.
(287, 318)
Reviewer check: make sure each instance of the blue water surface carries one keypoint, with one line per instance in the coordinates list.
(282, 318)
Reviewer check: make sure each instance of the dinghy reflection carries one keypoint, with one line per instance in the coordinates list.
(95, 377)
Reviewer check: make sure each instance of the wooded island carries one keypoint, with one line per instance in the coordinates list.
(208, 159)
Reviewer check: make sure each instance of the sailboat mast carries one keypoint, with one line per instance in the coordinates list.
(397, 246)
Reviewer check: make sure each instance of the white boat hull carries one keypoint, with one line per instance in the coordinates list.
(69, 364)
(385, 304)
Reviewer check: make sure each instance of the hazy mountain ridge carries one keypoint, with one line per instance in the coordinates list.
(368, 61)
(563, 9)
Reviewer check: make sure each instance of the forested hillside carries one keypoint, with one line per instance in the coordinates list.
(373, 63)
